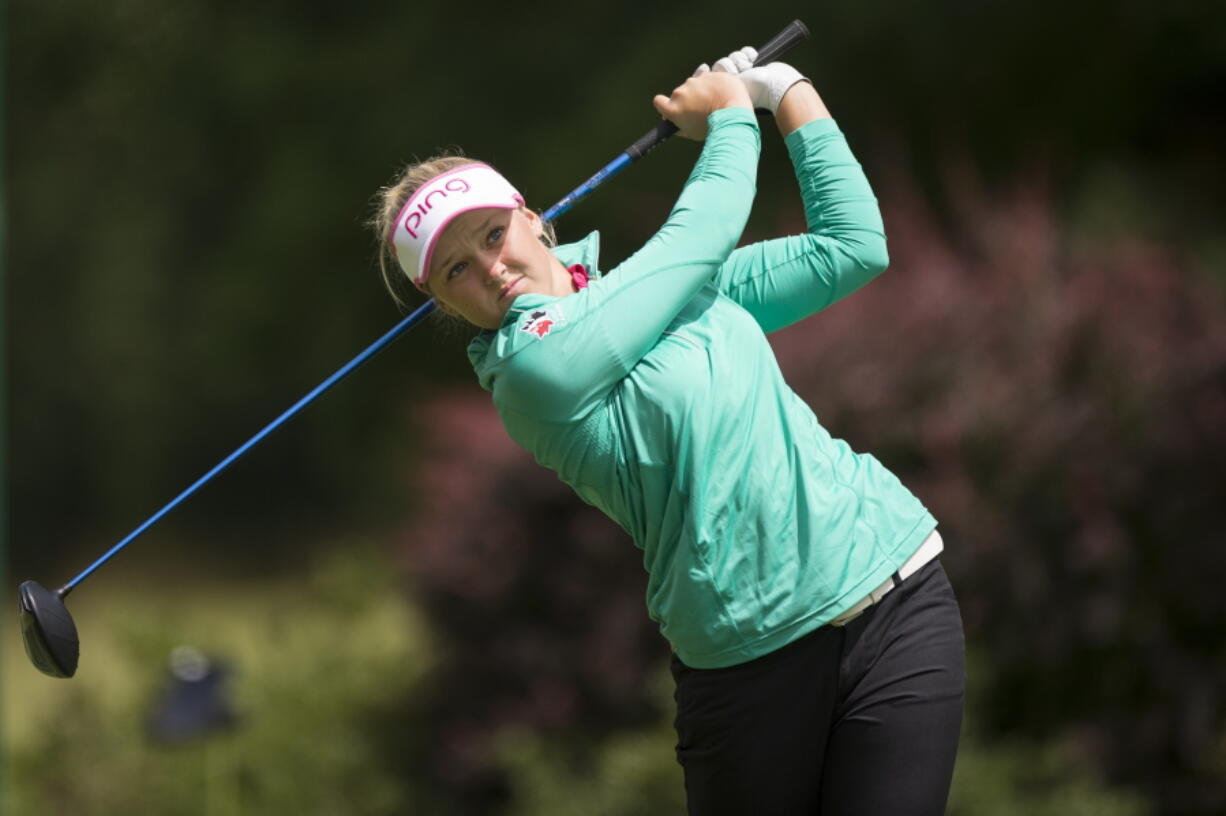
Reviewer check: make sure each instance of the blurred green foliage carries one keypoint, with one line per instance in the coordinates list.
(315, 659)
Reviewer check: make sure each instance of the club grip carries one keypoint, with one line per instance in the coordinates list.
(792, 35)
(650, 140)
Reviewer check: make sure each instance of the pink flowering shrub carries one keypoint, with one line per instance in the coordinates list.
(1060, 406)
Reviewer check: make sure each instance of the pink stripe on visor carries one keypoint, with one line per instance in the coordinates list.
(428, 211)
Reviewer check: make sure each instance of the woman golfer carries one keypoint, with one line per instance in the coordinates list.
(818, 652)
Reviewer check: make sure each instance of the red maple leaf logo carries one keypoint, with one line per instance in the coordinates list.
(539, 323)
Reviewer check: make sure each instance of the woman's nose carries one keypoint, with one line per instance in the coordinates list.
(495, 269)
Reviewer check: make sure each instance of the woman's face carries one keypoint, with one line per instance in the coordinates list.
(485, 258)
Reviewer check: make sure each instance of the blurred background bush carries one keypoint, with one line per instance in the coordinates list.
(416, 618)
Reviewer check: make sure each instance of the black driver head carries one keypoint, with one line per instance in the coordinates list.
(48, 631)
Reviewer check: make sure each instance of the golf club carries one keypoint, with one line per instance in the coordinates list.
(49, 633)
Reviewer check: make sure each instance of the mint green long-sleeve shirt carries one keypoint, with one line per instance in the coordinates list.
(654, 394)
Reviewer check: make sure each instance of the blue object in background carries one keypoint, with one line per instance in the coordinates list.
(196, 703)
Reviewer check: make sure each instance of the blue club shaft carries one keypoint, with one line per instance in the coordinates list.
(786, 39)
(574, 197)
(376, 347)
(583, 190)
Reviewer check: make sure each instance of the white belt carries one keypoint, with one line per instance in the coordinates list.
(927, 551)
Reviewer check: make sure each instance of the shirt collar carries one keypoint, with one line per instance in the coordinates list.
(585, 251)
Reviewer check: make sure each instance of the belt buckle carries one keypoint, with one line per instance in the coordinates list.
(868, 601)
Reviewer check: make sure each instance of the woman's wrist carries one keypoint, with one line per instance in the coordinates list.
(732, 113)
(736, 97)
(799, 106)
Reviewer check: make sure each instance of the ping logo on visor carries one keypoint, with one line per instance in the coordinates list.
(432, 207)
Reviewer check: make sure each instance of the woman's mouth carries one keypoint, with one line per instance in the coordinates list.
(511, 288)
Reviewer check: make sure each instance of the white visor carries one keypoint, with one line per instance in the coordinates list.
(431, 208)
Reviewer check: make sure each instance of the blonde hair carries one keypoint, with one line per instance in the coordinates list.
(390, 199)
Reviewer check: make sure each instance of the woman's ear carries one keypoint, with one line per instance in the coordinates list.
(534, 221)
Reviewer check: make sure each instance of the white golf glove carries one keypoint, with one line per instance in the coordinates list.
(766, 84)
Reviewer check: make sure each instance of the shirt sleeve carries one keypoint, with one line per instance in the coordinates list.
(784, 280)
(599, 334)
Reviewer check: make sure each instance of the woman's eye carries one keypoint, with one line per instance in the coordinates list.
(457, 269)
(496, 235)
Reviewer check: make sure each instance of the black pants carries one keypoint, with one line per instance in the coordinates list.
(861, 720)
